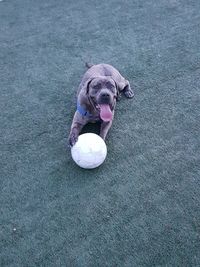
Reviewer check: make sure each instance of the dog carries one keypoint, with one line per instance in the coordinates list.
(100, 88)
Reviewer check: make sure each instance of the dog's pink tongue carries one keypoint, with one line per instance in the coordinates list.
(105, 112)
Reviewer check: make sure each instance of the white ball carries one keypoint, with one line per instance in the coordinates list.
(89, 151)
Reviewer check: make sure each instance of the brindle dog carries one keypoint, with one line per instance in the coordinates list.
(98, 91)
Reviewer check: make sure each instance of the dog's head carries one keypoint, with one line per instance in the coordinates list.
(102, 92)
(99, 94)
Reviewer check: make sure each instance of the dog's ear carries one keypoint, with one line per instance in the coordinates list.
(124, 86)
(84, 87)
(83, 94)
(118, 91)
(87, 86)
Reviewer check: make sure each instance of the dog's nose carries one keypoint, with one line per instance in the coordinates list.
(105, 95)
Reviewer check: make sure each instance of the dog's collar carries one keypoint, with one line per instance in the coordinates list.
(83, 111)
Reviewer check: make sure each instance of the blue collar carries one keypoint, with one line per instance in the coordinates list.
(83, 111)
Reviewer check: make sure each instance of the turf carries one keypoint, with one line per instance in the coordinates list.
(142, 206)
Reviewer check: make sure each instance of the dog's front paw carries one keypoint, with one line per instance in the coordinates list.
(73, 138)
(128, 93)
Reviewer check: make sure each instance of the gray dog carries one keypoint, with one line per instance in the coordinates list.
(98, 91)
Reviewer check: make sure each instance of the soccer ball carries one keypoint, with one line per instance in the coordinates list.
(89, 151)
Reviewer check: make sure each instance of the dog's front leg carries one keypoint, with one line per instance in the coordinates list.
(77, 124)
(105, 126)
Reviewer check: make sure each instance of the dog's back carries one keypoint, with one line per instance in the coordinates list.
(101, 70)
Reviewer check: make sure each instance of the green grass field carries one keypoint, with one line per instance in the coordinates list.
(142, 206)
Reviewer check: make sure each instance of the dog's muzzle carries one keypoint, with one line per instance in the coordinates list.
(105, 98)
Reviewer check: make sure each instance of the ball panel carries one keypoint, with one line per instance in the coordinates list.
(89, 151)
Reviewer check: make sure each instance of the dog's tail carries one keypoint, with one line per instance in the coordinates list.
(89, 65)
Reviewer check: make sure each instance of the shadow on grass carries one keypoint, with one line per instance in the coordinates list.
(91, 128)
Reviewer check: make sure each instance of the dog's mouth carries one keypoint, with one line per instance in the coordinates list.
(105, 112)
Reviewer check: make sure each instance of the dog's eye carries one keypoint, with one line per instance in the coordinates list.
(97, 86)
(109, 85)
